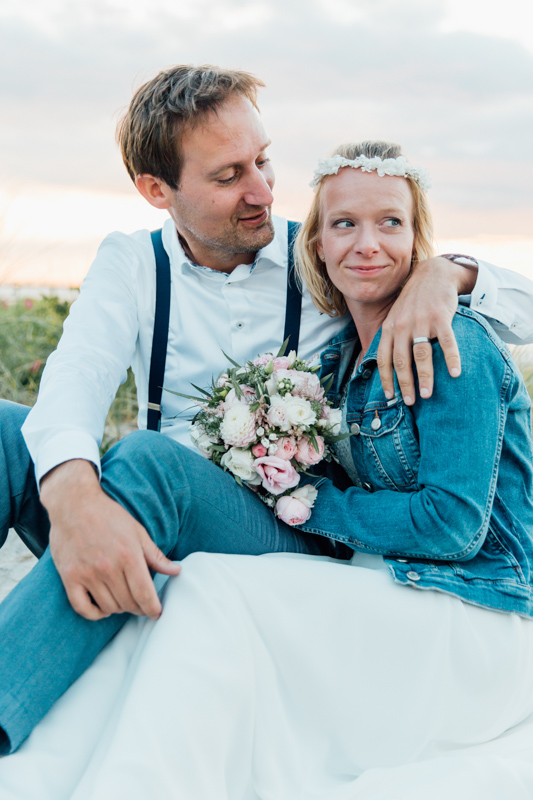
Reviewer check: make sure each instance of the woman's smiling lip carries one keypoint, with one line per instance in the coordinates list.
(367, 270)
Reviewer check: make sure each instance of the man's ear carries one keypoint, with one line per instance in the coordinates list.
(157, 192)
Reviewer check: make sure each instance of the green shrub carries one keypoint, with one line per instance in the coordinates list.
(29, 332)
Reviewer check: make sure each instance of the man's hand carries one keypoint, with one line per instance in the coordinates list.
(425, 307)
(101, 552)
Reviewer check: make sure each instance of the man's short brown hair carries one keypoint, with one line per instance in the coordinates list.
(150, 132)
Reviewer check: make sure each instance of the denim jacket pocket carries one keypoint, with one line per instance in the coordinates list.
(390, 449)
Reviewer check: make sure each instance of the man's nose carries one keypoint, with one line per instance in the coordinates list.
(258, 191)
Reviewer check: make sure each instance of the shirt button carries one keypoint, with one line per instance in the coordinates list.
(367, 374)
(355, 428)
(402, 560)
(413, 576)
(239, 325)
(367, 487)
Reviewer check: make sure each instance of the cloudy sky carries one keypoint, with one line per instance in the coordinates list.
(451, 80)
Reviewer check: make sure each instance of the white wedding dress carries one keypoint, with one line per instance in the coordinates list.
(287, 677)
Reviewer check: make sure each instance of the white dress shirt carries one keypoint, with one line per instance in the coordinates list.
(110, 327)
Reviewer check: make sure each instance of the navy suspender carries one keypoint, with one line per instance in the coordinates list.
(293, 306)
(160, 337)
(293, 312)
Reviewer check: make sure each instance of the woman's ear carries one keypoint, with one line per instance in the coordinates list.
(320, 251)
(156, 191)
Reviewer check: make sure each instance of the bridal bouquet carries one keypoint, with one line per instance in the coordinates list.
(267, 422)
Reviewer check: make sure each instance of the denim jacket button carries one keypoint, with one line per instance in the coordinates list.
(367, 487)
(402, 560)
(367, 374)
(413, 576)
(355, 428)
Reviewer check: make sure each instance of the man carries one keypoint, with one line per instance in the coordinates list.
(194, 144)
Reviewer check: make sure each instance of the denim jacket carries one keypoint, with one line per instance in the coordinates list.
(446, 490)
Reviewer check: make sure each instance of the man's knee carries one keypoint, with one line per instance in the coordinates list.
(145, 447)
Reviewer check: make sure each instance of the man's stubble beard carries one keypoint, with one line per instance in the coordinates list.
(235, 241)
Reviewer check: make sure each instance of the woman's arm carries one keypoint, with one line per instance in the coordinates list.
(461, 432)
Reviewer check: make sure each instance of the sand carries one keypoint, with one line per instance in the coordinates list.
(15, 561)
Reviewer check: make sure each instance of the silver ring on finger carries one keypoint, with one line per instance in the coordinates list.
(420, 339)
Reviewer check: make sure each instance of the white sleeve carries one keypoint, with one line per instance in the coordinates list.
(505, 298)
(82, 376)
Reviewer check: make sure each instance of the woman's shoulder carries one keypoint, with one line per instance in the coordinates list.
(474, 335)
(483, 353)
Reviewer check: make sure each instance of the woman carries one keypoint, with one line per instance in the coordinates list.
(303, 677)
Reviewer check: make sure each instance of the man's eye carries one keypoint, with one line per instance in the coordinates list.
(225, 181)
(263, 162)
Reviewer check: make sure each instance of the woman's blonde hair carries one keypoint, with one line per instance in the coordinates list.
(312, 271)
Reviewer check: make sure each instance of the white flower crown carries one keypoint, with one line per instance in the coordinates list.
(399, 167)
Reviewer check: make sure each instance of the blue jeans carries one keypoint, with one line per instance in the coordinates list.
(185, 503)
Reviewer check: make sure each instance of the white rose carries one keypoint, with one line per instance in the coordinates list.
(202, 440)
(241, 463)
(277, 414)
(299, 411)
(306, 494)
(334, 421)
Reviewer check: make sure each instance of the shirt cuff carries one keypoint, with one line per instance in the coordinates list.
(66, 446)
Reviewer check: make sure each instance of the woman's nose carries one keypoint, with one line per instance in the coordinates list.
(367, 242)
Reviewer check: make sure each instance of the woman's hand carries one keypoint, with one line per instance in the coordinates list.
(425, 307)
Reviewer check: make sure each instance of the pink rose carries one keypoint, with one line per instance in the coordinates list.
(248, 392)
(292, 511)
(262, 361)
(286, 448)
(306, 453)
(259, 451)
(231, 398)
(277, 474)
(283, 362)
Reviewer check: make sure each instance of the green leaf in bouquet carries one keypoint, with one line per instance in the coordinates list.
(239, 481)
(203, 391)
(218, 447)
(312, 437)
(188, 396)
(231, 360)
(339, 437)
(235, 384)
(282, 350)
(260, 388)
(327, 382)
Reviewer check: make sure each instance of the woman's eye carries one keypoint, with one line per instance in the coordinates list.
(343, 223)
(392, 222)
